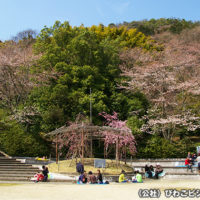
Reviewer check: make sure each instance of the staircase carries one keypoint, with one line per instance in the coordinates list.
(13, 170)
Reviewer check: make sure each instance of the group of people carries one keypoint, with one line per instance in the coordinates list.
(190, 161)
(42, 176)
(151, 173)
(135, 179)
(90, 178)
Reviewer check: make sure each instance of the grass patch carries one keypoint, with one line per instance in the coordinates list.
(69, 166)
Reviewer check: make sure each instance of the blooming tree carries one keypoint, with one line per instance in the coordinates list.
(169, 79)
(77, 137)
(122, 139)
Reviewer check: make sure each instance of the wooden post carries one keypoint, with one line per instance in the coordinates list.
(117, 151)
(125, 154)
(58, 164)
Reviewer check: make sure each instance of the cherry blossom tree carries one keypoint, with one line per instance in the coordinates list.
(123, 140)
(168, 78)
(77, 137)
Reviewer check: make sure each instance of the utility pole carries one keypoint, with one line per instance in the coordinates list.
(90, 106)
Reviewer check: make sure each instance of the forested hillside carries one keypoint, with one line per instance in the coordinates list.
(148, 72)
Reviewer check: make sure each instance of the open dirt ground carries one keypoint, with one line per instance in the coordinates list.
(113, 191)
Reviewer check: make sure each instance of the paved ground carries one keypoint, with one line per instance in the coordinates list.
(113, 191)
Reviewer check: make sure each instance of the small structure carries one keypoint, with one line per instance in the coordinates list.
(78, 137)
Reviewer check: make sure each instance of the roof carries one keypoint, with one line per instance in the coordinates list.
(85, 128)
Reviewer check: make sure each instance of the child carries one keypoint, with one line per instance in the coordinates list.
(38, 177)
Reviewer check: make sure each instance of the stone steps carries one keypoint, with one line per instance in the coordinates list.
(15, 173)
(173, 168)
(9, 160)
(163, 163)
(14, 179)
(170, 169)
(3, 171)
(14, 170)
(17, 167)
(14, 165)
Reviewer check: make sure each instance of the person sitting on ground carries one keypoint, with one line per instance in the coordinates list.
(92, 178)
(151, 168)
(158, 170)
(189, 156)
(138, 177)
(134, 180)
(148, 171)
(194, 157)
(38, 177)
(122, 177)
(45, 172)
(198, 161)
(188, 163)
(146, 168)
(99, 177)
(83, 178)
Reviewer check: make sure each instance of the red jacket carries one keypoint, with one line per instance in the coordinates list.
(187, 162)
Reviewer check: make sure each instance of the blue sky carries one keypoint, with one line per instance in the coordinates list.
(19, 15)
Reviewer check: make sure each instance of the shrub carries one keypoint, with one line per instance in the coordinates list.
(157, 147)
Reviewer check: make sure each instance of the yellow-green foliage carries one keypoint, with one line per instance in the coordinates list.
(126, 37)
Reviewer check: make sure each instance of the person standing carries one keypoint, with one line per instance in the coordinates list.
(80, 168)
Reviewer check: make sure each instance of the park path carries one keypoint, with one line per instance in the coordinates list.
(113, 191)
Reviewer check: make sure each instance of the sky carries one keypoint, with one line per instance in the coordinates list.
(20, 15)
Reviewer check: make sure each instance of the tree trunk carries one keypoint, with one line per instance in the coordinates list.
(117, 151)
(82, 147)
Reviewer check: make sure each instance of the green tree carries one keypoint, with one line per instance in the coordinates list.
(81, 58)
(15, 141)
